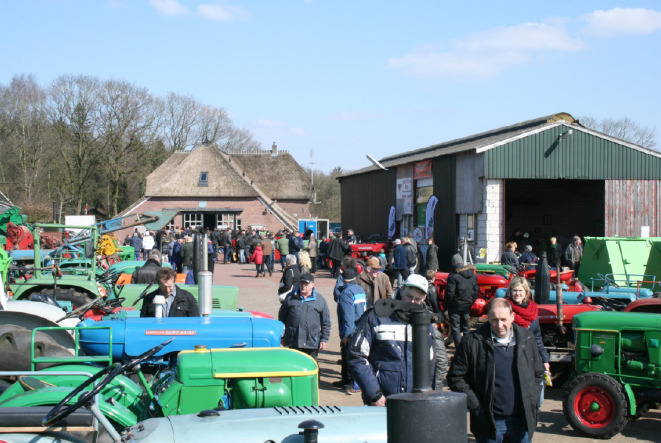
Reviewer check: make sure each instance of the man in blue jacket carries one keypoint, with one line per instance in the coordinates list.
(351, 305)
(380, 351)
(399, 262)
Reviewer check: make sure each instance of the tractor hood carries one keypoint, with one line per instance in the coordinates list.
(131, 337)
(346, 424)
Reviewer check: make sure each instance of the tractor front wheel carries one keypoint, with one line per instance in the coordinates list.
(595, 405)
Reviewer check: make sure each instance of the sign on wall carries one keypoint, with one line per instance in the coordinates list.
(422, 194)
(422, 169)
(404, 188)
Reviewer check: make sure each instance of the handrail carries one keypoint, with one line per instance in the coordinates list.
(76, 358)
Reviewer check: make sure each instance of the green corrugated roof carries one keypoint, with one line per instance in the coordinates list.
(581, 154)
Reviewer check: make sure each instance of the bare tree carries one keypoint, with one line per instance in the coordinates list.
(180, 117)
(239, 140)
(127, 125)
(73, 113)
(25, 131)
(624, 129)
(214, 125)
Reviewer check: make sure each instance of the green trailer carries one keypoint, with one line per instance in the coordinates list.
(627, 260)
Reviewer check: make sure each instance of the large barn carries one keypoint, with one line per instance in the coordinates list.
(549, 176)
(211, 188)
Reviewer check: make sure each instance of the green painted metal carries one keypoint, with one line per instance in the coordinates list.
(635, 257)
(629, 341)
(236, 378)
(580, 155)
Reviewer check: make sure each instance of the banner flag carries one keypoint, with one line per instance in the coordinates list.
(391, 222)
(431, 206)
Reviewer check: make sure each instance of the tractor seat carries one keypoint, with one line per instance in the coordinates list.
(32, 384)
(13, 418)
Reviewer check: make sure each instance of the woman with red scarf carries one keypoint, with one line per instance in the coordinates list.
(525, 315)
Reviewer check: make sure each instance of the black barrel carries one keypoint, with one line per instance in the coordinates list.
(432, 416)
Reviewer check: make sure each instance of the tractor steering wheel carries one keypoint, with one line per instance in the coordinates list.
(61, 411)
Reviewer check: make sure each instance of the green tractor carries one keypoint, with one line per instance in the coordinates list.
(618, 362)
(78, 284)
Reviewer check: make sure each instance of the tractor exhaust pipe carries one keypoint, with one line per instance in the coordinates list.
(205, 286)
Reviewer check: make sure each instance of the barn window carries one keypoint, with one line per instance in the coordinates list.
(204, 179)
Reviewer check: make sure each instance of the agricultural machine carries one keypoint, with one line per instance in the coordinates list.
(618, 359)
(202, 379)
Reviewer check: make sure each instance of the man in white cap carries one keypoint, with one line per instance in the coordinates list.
(380, 351)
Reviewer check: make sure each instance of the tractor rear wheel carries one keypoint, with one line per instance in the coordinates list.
(595, 405)
(77, 298)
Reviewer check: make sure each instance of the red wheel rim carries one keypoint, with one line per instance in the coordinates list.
(594, 407)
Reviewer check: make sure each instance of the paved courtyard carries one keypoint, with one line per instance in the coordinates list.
(261, 294)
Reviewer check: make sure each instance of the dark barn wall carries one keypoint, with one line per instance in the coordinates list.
(366, 202)
(444, 171)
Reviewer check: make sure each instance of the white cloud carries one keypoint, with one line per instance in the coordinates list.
(223, 12)
(486, 53)
(622, 21)
(281, 127)
(169, 7)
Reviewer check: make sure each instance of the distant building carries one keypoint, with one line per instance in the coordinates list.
(211, 188)
(549, 177)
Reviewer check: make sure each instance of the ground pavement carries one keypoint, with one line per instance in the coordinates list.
(261, 294)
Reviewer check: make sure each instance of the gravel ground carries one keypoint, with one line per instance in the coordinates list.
(261, 294)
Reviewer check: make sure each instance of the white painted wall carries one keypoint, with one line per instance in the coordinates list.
(490, 221)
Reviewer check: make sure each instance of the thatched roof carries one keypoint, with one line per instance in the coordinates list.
(278, 176)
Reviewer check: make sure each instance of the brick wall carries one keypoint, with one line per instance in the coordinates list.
(253, 211)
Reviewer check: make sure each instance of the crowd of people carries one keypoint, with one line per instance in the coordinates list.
(519, 252)
(500, 365)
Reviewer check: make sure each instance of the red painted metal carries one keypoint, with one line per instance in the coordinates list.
(594, 407)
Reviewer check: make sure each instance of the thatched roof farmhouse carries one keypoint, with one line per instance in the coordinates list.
(212, 188)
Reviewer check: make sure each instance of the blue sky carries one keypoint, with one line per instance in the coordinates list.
(350, 78)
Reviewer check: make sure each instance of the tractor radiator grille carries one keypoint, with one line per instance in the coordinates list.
(301, 410)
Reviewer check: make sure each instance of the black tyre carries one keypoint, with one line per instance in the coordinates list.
(77, 298)
(595, 405)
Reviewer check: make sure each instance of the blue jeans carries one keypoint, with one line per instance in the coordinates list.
(459, 324)
(242, 256)
(508, 429)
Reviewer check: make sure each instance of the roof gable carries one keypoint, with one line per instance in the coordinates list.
(179, 176)
(229, 175)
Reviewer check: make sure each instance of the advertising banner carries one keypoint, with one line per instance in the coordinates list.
(422, 194)
(431, 206)
(404, 188)
(422, 169)
(391, 222)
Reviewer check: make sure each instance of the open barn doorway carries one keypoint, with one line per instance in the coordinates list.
(558, 208)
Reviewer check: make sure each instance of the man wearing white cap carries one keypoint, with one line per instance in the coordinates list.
(380, 351)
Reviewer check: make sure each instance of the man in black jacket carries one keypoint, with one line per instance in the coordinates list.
(178, 302)
(499, 368)
(460, 294)
(147, 272)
